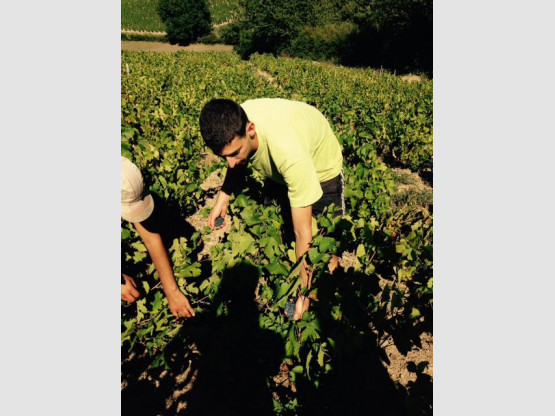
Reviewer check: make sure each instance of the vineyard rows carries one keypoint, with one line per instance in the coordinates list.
(142, 15)
(243, 285)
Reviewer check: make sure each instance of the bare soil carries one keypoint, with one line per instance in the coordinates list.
(145, 46)
(199, 221)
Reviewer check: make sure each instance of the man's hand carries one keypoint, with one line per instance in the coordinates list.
(179, 304)
(219, 210)
(129, 292)
(301, 306)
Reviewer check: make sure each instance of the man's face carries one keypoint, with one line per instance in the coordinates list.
(238, 151)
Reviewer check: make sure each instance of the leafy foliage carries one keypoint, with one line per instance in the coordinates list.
(185, 20)
(329, 42)
(372, 110)
(395, 34)
(388, 288)
(268, 26)
(230, 34)
(223, 10)
(141, 15)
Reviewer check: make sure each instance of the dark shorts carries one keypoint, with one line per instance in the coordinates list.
(334, 191)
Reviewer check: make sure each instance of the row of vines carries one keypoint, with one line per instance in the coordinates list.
(143, 15)
(240, 289)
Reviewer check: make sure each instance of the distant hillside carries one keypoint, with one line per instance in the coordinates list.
(142, 14)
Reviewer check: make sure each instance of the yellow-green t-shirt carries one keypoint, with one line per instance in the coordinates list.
(297, 147)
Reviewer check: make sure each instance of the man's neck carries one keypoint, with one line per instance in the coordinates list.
(255, 145)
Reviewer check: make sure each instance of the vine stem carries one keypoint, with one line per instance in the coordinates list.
(201, 300)
(142, 323)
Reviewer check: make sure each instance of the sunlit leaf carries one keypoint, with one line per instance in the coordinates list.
(321, 356)
(415, 313)
(125, 233)
(361, 251)
(277, 268)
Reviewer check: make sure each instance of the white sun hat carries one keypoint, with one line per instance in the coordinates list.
(136, 202)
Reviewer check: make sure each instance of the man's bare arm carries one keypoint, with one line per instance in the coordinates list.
(302, 224)
(178, 302)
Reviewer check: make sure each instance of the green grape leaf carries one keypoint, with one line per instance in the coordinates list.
(309, 333)
(241, 242)
(314, 227)
(415, 313)
(327, 244)
(139, 246)
(361, 251)
(277, 268)
(298, 369)
(321, 356)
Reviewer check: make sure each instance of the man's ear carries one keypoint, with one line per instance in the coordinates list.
(251, 130)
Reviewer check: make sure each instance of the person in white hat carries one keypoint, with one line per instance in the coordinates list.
(137, 205)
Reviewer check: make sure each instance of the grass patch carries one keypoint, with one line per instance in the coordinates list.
(412, 197)
(405, 177)
(144, 37)
(410, 191)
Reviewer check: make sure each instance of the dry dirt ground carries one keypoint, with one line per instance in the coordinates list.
(143, 46)
(183, 383)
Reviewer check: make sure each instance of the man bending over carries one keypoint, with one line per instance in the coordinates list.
(289, 142)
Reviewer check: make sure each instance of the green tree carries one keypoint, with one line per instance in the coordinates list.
(185, 20)
(396, 34)
(268, 26)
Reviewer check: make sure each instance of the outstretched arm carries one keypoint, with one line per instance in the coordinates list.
(178, 302)
(302, 224)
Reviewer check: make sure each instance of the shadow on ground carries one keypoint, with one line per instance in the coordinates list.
(222, 362)
(223, 353)
(358, 383)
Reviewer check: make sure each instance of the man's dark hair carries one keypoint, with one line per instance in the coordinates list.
(220, 121)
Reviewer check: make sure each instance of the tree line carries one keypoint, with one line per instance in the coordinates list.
(394, 34)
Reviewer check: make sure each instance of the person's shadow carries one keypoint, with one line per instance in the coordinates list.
(169, 223)
(359, 383)
(235, 358)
